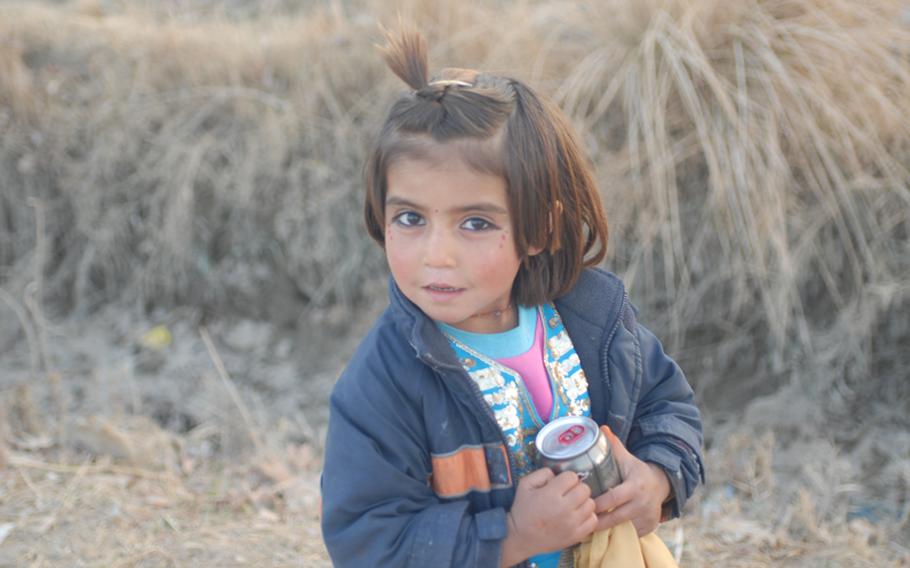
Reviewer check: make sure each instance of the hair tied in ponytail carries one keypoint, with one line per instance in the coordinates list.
(436, 90)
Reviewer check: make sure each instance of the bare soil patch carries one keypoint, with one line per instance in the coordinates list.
(156, 464)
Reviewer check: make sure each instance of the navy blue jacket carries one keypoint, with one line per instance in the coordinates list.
(416, 472)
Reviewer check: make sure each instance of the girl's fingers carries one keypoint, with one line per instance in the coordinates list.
(618, 448)
(614, 498)
(644, 527)
(566, 481)
(584, 519)
(578, 494)
(538, 478)
(629, 512)
(625, 459)
(615, 517)
(587, 509)
(588, 526)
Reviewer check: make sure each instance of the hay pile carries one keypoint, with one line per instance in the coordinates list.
(189, 163)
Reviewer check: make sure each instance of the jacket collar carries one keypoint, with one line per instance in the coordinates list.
(430, 345)
(596, 298)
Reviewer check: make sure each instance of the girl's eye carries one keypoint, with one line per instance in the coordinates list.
(477, 224)
(408, 219)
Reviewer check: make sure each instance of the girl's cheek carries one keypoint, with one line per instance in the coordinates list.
(397, 249)
(393, 257)
(498, 257)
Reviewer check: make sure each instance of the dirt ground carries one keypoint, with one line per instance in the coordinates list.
(160, 442)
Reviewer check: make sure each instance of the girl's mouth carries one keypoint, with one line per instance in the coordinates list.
(442, 291)
(441, 288)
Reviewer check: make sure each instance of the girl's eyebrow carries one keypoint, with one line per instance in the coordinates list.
(483, 207)
(400, 201)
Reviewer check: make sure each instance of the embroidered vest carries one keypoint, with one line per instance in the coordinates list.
(505, 392)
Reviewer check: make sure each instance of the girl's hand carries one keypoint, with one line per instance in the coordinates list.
(638, 498)
(550, 512)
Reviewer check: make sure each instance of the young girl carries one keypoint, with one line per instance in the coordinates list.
(491, 223)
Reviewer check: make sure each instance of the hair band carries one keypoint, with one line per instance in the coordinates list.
(448, 82)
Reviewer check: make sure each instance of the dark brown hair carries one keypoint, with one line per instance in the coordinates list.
(500, 126)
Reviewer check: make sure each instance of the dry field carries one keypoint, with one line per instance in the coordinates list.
(183, 272)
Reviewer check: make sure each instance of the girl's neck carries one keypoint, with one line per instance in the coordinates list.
(496, 320)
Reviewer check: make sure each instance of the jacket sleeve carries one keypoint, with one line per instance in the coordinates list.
(378, 508)
(666, 428)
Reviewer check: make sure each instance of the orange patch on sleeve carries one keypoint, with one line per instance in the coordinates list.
(460, 472)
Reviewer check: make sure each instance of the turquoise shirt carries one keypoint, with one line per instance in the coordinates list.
(505, 392)
(499, 345)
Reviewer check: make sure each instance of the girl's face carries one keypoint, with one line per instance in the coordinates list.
(449, 243)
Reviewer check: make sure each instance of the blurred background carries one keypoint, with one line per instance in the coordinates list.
(183, 268)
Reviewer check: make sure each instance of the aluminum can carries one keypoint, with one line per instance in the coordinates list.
(575, 443)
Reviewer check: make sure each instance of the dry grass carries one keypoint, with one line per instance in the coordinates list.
(754, 161)
(749, 518)
(168, 159)
(101, 514)
(753, 154)
(766, 146)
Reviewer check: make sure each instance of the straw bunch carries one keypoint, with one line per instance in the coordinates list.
(755, 161)
(181, 168)
(753, 154)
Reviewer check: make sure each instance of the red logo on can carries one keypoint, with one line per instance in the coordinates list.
(571, 434)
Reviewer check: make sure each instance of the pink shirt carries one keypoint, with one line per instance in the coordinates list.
(533, 372)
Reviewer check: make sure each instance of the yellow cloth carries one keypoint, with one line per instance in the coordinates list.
(620, 547)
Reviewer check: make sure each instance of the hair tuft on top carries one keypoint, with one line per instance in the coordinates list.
(405, 53)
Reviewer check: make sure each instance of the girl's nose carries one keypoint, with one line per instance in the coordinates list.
(439, 251)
